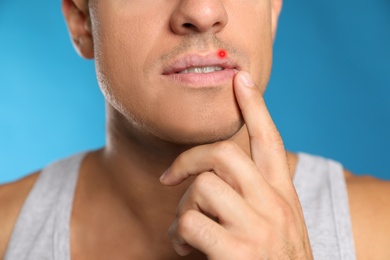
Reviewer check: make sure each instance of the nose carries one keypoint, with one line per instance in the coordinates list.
(198, 16)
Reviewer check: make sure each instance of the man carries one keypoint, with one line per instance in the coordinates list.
(191, 151)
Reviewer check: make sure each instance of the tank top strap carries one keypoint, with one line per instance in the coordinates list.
(322, 190)
(42, 228)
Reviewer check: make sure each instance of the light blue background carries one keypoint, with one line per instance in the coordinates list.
(329, 92)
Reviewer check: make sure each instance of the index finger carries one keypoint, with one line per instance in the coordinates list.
(266, 144)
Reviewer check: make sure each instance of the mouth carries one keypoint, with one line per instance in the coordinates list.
(201, 70)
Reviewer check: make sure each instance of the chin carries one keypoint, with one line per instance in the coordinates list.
(203, 134)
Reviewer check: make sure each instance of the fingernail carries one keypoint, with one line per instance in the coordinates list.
(246, 79)
(164, 175)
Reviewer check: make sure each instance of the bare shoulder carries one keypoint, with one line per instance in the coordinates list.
(12, 197)
(369, 200)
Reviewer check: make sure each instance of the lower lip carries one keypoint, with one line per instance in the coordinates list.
(199, 80)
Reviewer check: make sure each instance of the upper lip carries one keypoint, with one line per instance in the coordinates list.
(196, 60)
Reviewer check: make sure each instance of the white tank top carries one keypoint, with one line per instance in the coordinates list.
(42, 229)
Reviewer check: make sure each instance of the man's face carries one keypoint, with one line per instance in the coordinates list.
(149, 54)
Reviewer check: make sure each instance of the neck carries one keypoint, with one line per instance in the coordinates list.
(122, 181)
(132, 163)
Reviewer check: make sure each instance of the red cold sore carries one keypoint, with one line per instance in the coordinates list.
(222, 53)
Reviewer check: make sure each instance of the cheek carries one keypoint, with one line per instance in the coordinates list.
(120, 55)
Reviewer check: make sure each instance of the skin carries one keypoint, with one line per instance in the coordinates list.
(228, 192)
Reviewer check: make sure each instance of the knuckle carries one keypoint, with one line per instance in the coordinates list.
(209, 184)
(283, 213)
(190, 225)
(186, 222)
(225, 149)
(181, 159)
(202, 182)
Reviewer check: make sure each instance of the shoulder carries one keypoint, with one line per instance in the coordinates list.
(12, 197)
(369, 200)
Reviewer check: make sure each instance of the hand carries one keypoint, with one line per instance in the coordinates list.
(240, 207)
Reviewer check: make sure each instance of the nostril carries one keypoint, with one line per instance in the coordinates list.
(187, 25)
